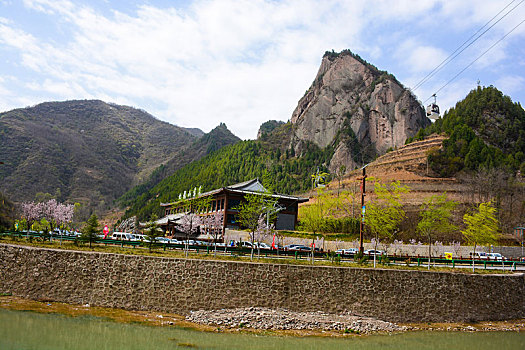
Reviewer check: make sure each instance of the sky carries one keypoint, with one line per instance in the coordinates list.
(200, 63)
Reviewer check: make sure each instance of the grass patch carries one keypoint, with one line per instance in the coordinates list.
(203, 255)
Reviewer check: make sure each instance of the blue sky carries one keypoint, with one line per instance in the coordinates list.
(199, 63)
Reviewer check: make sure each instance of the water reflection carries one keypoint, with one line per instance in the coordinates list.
(29, 330)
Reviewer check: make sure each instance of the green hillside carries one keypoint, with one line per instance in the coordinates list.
(242, 161)
(206, 144)
(7, 212)
(485, 130)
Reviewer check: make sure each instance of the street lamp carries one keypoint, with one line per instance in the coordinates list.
(363, 209)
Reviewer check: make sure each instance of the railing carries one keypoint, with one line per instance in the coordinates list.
(296, 254)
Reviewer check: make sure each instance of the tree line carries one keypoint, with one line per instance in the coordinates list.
(384, 214)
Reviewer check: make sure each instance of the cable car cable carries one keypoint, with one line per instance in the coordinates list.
(454, 55)
(471, 63)
(450, 58)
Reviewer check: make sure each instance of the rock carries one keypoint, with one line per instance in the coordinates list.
(358, 109)
(263, 318)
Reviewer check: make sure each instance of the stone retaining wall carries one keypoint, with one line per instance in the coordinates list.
(181, 285)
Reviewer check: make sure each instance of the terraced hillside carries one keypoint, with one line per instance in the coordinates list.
(409, 162)
(409, 165)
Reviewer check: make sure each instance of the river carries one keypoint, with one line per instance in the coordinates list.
(30, 330)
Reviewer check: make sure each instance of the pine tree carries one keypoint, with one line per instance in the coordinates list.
(91, 229)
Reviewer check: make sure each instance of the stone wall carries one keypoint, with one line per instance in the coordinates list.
(181, 285)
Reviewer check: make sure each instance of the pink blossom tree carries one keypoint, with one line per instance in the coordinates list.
(31, 211)
(189, 224)
(56, 214)
(214, 224)
(64, 214)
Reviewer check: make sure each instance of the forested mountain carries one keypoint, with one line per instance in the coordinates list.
(210, 142)
(242, 161)
(84, 151)
(485, 130)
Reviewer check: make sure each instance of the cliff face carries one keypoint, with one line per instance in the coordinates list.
(357, 109)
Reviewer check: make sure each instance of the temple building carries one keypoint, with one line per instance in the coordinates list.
(225, 200)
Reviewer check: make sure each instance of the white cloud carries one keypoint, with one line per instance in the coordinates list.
(238, 62)
(510, 84)
(420, 57)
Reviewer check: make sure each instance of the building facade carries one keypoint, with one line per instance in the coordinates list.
(225, 201)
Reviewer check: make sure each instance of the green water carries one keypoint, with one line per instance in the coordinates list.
(28, 330)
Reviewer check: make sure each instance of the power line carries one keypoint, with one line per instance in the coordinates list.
(462, 48)
(471, 63)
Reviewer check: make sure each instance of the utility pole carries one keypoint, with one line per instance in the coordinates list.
(361, 226)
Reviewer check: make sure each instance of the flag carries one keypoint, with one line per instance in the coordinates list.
(105, 231)
(273, 242)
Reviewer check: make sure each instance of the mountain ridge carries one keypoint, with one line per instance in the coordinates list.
(86, 151)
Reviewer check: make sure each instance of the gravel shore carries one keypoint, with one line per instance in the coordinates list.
(282, 319)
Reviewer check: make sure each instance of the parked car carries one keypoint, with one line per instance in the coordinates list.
(123, 236)
(163, 240)
(350, 251)
(496, 257)
(291, 246)
(245, 244)
(142, 238)
(374, 252)
(479, 255)
(262, 245)
(301, 248)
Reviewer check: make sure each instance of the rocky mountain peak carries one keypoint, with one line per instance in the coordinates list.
(356, 108)
(268, 127)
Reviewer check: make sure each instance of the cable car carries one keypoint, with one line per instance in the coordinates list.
(433, 110)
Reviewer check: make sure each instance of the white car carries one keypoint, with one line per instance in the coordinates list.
(142, 238)
(480, 256)
(162, 240)
(374, 252)
(262, 245)
(496, 257)
(123, 236)
(351, 251)
(245, 244)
